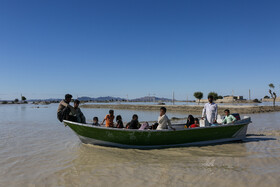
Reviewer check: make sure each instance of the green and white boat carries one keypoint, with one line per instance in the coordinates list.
(134, 138)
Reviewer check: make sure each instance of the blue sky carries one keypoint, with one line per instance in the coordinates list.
(137, 47)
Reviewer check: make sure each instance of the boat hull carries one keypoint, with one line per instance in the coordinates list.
(153, 138)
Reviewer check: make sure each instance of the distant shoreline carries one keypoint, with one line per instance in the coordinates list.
(188, 109)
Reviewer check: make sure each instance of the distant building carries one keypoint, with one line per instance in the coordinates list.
(233, 98)
(271, 100)
(240, 98)
(226, 99)
(230, 97)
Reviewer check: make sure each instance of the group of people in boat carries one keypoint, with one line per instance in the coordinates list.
(209, 113)
(162, 123)
(67, 112)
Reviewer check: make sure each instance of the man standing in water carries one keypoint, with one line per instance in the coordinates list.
(210, 111)
(64, 108)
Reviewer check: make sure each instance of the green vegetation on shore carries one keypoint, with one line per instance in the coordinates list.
(198, 95)
(16, 101)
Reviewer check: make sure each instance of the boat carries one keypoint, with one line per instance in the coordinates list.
(134, 138)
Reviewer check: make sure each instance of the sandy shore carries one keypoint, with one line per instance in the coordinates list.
(191, 109)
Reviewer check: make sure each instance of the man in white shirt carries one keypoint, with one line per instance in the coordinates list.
(210, 111)
(163, 120)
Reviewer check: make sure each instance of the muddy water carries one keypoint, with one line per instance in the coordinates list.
(36, 150)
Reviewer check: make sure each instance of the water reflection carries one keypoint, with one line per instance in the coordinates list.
(98, 162)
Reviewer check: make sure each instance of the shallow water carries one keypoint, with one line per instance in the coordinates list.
(37, 150)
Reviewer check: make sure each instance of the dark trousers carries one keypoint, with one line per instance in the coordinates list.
(154, 126)
(64, 115)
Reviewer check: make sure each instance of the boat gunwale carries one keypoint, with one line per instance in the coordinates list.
(239, 122)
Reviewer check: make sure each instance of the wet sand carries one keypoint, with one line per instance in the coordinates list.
(189, 109)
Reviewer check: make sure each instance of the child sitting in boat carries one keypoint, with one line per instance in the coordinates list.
(163, 120)
(95, 121)
(228, 118)
(119, 121)
(190, 121)
(134, 123)
(109, 118)
(144, 126)
(154, 126)
(77, 114)
(196, 123)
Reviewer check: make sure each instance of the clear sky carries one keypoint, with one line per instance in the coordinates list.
(136, 47)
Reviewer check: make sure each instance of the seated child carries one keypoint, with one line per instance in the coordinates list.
(77, 114)
(119, 121)
(163, 120)
(196, 123)
(154, 126)
(229, 118)
(95, 121)
(127, 125)
(144, 126)
(134, 123)
(109, 118)
(190, 121)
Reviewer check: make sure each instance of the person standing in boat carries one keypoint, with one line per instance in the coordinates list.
(64, 109)
(163, 120)
(210, 111)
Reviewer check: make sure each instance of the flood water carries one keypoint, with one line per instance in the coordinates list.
(37, 150)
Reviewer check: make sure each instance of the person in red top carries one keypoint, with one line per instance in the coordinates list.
(109, 119)
(196, 123)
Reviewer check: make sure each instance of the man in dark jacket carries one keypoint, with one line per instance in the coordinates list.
(64, 108)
